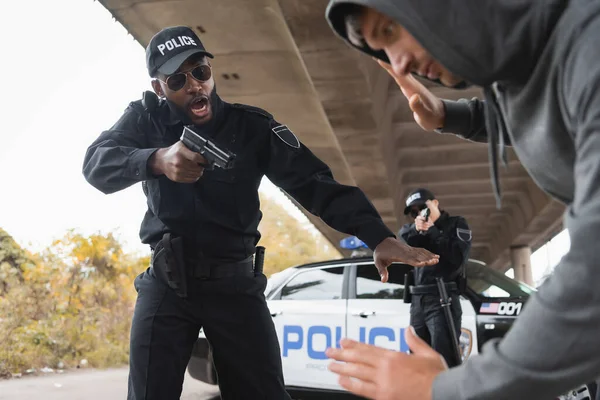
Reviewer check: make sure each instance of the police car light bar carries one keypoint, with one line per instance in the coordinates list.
(352, 243)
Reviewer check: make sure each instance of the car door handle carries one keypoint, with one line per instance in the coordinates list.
(276, 313)
(363, 314)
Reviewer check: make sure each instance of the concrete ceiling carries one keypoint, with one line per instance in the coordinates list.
(348, 111)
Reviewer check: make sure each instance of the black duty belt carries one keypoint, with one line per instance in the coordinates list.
(432, 289)
(211, 269)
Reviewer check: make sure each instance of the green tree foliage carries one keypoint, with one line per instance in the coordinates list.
(75, 299)
(13, 260)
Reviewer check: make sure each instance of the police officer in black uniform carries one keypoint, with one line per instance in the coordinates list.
(202, 223)
(450, 238)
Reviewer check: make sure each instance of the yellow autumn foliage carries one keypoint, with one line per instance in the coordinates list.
(289, 242)
(75, 300)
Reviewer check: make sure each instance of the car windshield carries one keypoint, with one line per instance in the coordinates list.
(490, 283)
(483, 280)
(276, 279)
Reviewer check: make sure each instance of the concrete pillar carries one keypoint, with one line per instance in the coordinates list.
(520, 258)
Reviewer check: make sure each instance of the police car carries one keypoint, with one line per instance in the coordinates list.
(315, 305)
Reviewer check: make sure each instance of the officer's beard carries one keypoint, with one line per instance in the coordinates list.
(210, 126)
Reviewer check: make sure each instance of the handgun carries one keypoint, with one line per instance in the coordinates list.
(214, 155)
(425, 214)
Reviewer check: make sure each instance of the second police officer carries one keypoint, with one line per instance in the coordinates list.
(202, 223)
(450, 238)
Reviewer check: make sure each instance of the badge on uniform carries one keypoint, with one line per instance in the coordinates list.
(287, 136)
(464, 234)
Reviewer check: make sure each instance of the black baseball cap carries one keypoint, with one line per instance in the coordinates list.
(417, 197)
(170, 47)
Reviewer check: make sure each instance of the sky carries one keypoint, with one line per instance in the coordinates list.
(65, 80)
(547, 257)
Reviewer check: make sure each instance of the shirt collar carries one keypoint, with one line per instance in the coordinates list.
(167, 117)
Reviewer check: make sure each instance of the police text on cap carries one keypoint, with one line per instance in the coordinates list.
(173, 43)
(413, 198)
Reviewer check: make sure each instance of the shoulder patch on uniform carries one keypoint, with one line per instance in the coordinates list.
(464, 234)
(287, 136)
(253, 109)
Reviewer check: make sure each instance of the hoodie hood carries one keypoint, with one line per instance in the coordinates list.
(481, 41)
(498, 40)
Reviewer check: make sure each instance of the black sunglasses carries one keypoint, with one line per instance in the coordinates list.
(178, 80)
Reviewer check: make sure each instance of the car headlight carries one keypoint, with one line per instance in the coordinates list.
(465, 343)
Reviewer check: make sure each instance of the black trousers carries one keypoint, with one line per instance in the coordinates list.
(237, 324)
(429, 321)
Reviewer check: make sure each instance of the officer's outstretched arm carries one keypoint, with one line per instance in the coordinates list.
(295, 169)
(118, 158)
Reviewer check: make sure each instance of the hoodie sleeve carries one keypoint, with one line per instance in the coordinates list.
(553, 347)
(466, 118)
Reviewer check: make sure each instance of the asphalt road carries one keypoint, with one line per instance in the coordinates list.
(89, 385)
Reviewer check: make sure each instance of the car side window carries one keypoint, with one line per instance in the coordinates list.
(369, 285)
(315, 284)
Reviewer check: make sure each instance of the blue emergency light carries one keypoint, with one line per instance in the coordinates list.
(352, 243)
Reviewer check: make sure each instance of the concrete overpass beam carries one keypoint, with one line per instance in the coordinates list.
(352, 115)
(521, 262)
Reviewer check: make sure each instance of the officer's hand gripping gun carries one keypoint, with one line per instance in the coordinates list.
(214, 155)
(425, 214)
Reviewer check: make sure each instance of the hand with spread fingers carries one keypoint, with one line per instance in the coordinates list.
(393, 250)
(428, 109)
(381, 374)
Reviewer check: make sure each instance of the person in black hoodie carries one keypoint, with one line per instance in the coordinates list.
(201, 223)
(538, 62)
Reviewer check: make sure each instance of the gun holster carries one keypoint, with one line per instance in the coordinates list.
(169, 265)
(409, 280)
(259, 260)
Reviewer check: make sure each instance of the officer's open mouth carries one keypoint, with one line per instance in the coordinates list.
(200, 106)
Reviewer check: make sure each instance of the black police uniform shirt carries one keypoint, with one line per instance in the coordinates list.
(450, 238)
(220, 213)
